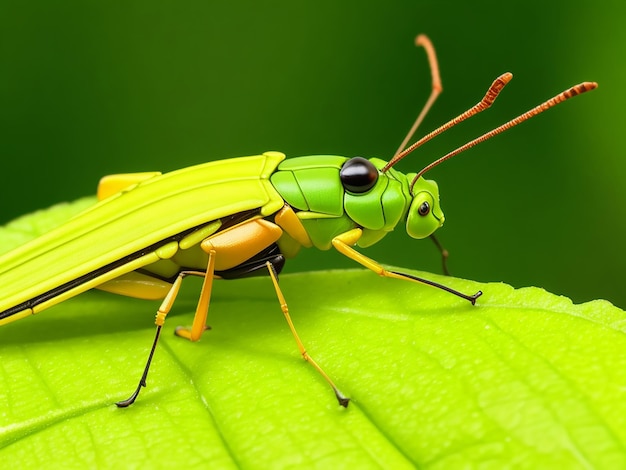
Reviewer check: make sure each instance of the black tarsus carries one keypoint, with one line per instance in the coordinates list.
(470, 298)
(142, 382)
(343, 400)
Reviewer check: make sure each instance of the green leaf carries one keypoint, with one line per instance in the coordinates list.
(524, 379)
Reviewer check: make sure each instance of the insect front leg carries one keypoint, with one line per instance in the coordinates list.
(444, 254)
(343, 244)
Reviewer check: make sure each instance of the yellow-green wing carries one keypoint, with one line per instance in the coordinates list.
(134, 221)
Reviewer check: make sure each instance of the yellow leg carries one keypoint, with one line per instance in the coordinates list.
(234, 246)
(343, 242)
(162, 312)
(287, 219)
(199, 325)
(343, 400)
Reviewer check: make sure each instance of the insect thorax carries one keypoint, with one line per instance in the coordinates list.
(312, 186)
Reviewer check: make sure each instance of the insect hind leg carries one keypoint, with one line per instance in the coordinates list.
(164, 309)
(238, 252)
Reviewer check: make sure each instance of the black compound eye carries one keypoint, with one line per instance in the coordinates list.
(358, 175)
(423, 209)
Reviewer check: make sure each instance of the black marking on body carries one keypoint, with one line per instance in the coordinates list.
(67, 286)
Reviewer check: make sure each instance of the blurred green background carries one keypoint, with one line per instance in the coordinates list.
(91, 88)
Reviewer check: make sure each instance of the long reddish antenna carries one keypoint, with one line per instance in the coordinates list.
(487, 100)
(565, 95)
(423, 41)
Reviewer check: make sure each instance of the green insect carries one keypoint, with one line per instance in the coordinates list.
(234, 218)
